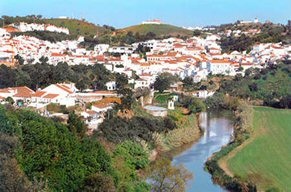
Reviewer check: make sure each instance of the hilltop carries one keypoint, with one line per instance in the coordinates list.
(78, 27)
(160, 30)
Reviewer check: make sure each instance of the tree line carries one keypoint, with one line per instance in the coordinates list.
(43, 74)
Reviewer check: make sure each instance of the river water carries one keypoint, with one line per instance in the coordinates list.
(218, 128)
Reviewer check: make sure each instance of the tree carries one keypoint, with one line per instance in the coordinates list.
(133, 153)
(197, 33)
(121, 81)
(126, 99)
(76, 125)
(99, 183)
(10, 100)
(19, 59)
(163, 81)
(166, 177)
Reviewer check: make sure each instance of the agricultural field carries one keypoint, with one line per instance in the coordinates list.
(265, 158)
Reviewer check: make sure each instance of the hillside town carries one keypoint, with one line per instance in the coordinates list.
(145, 96)
(194, 58)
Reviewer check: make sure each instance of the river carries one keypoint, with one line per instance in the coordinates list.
(218, 128)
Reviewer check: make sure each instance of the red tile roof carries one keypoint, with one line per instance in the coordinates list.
(38, 94)
(24, 92)
(51, 96)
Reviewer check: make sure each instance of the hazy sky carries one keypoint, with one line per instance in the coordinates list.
(120, 13)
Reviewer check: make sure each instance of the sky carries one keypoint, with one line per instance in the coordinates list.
(122, 13)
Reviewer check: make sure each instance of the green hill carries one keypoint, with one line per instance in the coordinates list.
(160, 30)
(78, 27)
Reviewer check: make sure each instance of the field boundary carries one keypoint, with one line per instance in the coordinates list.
(242, 129)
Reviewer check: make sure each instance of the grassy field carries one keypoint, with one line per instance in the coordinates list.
(265, 158)
(159, 30)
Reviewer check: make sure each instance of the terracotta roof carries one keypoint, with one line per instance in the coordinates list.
(57, 55)
(101, 105)
(51, 96)
(11, 29)
(5, 90)
(38, 94)
(23, 92)
(216, 61)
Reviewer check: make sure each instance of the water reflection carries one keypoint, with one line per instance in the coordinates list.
(217, 132)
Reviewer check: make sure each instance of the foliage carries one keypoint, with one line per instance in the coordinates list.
(76, 125)
(166, 177)
(194, 105)
(133, 153)
(137, 128)
(271, 85)
(133, 157)
(79, 27)
(44, 35)
(163, 81)
(241, 43)
(270, 33)
(56, 108)
(99, 182)
(48, 150)
(42, 74)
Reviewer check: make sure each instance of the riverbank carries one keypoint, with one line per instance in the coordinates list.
(187, 131)
(242, 129)
(217, 130)
(270, 137)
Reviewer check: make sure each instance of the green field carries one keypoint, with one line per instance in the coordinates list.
(159, 30)
(266, 157)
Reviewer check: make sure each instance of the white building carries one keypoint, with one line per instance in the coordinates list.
(111, 85)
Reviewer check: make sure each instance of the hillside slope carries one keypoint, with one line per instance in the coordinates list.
(159, 30)
(78, 27)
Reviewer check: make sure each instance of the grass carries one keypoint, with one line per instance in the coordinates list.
(266, 158)
(162, 98)
(77, 27)
(159, 30)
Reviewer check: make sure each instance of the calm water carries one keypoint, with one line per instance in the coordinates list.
(217, 132)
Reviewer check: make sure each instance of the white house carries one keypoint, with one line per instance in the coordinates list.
(111, 85)
(141, 83)
(221, 67)
(101, 107)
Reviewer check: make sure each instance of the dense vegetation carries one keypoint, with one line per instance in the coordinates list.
(270, 85)
(48, 152)
(44, 154)
(270, 137)
(270, 33)
(116, 129)
(45, 35)
(42, 74)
